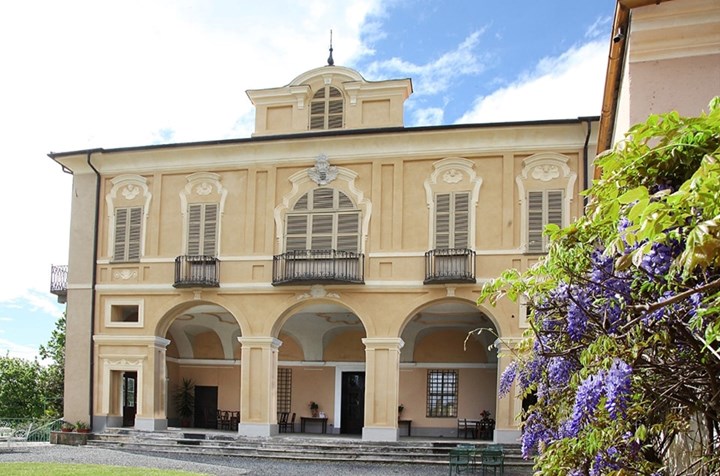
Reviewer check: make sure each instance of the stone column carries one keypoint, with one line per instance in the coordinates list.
(258, 386)
(382, 378)
(154, 394)
(507, 429)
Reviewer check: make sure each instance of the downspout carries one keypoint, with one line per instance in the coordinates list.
(93, 283)
(586, 161)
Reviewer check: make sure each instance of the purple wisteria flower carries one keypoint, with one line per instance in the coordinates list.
(617, 387)
(507, 378)
(586, 402)
(559, 371)
(605, 461)
(535, 434)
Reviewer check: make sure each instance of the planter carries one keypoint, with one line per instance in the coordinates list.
(68, 438)
(83, 430)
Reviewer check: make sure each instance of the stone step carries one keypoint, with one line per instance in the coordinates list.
(300, 447)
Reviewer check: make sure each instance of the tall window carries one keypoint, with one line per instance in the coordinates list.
(452, 220)
(544, 207)
(284, 389)
(442, 393)
(128, 233)
(323, 219)
(202, 229)
(326, 109)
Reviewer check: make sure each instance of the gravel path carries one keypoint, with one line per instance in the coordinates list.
(212, 465)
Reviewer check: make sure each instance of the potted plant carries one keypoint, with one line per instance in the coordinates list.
(314, 407)
(82, 427)
(401, 407)
(185, 401)
(66, 427)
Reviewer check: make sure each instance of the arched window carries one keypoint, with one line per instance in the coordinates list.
(326, 109)
(323, 219)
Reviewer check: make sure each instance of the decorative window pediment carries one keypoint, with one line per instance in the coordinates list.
(128, 202)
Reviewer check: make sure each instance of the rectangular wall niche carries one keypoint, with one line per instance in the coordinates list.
(124, 313)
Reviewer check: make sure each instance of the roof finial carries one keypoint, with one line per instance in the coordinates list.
(331, 61)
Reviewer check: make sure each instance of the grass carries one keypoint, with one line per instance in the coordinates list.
(60, 469)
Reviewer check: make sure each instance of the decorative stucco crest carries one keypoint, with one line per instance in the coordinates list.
(130, 191)
(323, 173)
(452, 176)
(317, 291)
(545, 172)
(125, 274)
(203, 189)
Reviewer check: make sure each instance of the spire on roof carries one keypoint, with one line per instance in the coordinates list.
(330, 59)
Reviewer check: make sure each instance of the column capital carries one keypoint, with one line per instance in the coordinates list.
(383, 343)
(260, 341)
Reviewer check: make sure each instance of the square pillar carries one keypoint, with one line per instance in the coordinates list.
(382, 382)
(258, 387)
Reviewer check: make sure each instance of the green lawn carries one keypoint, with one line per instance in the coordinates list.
(60, 469)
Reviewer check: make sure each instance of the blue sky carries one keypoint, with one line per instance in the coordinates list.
(84, 73)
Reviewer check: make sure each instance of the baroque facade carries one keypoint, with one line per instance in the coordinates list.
(335, 256)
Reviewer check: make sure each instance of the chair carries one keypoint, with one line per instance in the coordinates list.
(493, 457)
(465, 428)
(234, 420)
(485, 429)
(286, 425)
(224, 419)
(460, 461)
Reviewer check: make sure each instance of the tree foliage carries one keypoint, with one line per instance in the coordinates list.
(19, 396)
(624, 349)
(53, 377)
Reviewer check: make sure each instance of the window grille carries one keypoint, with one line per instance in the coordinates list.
(284, 389)
(442, 394)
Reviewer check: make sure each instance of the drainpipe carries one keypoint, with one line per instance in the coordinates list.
(586, 162)
(94, 282)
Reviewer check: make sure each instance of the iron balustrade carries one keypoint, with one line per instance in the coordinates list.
(318, 266)
(58, 282)
(450, 265)
(197, 271)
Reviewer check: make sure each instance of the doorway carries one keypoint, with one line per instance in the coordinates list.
(206, 405)
(129, 398)
(352, 403)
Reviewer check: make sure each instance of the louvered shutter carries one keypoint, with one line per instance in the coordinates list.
(322, 232)
(134, 234)
(210, 227)
(442, 221)
(194, 226)
(535, 222)
(323, 198)
(461, 218)
(555, 207)
(296, 233)
(121, 222)
(348, 232)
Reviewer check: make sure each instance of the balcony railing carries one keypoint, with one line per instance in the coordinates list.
(58, 282)
(453, 265)
(197, 272)
(318, 266)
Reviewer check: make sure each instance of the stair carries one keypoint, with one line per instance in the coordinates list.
(294, 447)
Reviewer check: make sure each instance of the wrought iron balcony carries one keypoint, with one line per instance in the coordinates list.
(58, 282)
(197, 272)
(453, 265)
(318, 266)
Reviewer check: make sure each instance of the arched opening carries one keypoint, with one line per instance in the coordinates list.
(203, 360)
(322, 360)
(447, 373)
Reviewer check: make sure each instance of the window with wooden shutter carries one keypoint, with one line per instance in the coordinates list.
(452, 220)
(544, 207)
(128, 234)
(326, 109)
(202, 229)
(323, 219)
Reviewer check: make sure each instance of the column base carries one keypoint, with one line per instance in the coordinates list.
(257, 429)
(151, 424)
(507, 436)
(379, 433)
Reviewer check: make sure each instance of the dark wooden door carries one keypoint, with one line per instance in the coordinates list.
(352, 407)
(129, 398)
(206, 405)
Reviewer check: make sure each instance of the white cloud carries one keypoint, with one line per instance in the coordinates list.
(8, 348)
(436, 76)
(428, 116)
(562, 87)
